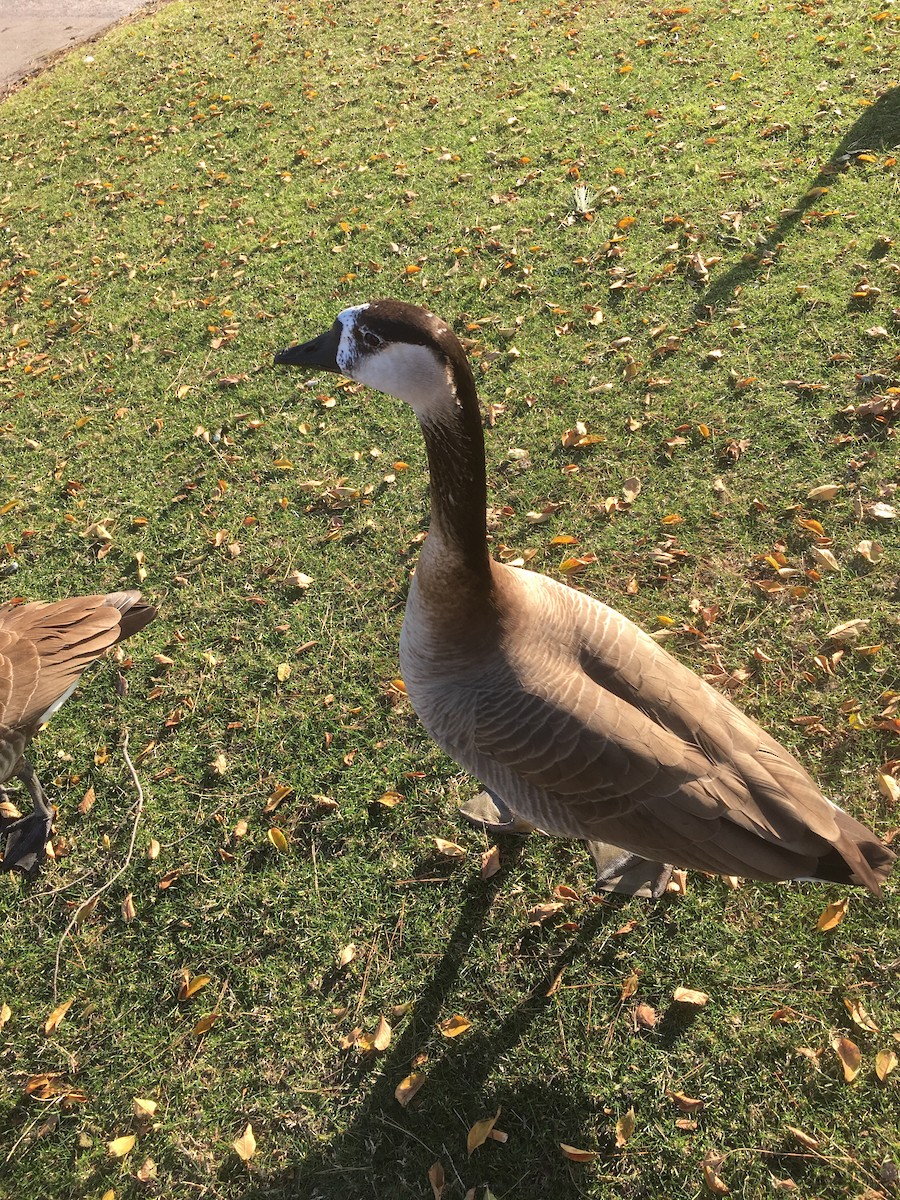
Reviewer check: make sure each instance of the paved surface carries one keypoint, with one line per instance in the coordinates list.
(35, 31)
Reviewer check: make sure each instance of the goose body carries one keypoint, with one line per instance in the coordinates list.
(44, 650)
(577, 722)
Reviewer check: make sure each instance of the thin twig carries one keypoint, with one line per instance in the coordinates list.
(139, 808)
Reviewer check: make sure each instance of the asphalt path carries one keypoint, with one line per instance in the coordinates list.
(33, 33)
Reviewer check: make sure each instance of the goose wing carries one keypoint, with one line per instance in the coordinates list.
(597, 732)
(45, 648)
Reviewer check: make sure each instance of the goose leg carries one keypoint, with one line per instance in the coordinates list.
(488, 812)
(27, 837)
(626, 873)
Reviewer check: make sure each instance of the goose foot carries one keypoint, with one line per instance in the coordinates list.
(27, 837)
(488, 812)
(626, 873)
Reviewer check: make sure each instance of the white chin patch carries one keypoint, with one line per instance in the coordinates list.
(412, 373)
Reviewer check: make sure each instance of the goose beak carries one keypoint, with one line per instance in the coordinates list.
(320, 352)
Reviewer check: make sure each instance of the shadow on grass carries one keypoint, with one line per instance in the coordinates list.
(878, 129)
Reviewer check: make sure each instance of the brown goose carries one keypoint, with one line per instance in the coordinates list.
(577, 722)
(44, 649)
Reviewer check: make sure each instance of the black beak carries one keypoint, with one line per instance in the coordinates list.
(320, 352)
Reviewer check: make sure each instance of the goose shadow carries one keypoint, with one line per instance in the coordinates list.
(877, 129)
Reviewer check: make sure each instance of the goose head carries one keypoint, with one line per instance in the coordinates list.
(397, 348)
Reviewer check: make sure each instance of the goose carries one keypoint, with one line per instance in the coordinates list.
(44, 650)
(576, 722)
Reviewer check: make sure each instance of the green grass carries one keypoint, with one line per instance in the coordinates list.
(200, 188)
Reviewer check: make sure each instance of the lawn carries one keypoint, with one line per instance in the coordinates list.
(670, 240)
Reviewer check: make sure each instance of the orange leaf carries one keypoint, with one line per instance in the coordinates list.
(833, 914)
(453, 1026)
(52, 1022)
(480, 1132)
(408, 1087)
(579, 1156)
(490, 862)
(849, 1054)
(205, 1024)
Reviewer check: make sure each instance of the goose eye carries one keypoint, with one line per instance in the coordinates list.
(371, 340)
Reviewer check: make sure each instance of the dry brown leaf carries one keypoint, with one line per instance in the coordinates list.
(889, 787)
(128, 910)
(147, 1171)
(121, 1146)
(645, 1016)
(153, 849)
(847, 631)
(833, 914)
(381, 1038)
(490, 862)
(390, 799)
(480, 1132)
(872, 552)
(449, 849)
(805, 1139)
(543, 912)
(885, 1062)
(859, 1016)
(624, 1128)
(683, 995)
(205, 1024)
(579, 1156)
(631, 489)
(453, 1026)
(711, 1164)
(245, 1145)
(685, 1103)
(825, 491)
(408, 1087)
(53, 1021)
(629, 986)
(87, 801)
(824, 558)
(850, 1057)
(437, 1179)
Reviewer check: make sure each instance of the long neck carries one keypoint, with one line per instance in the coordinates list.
(455, 448)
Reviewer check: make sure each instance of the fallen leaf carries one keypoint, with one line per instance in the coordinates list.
(144, 1110)
(859, 1016)
(480, 1132)
(805, 1139)
(683, 995)
(645, 1016)
(87, 801)
(128, 910)
(346, 956)
(833, 914)
(629, 986)
(850, 1056)
(121, 1146)
(825, 491)
(453, 1026)
(711, 1164)
(579, 1156)
(205, 1024)
(283, 672)
(190, 987)
(631, 489)
(278, 840)
(5, 1014)
(53, 1021)
(824, 558)
(379, 1040)
(872, 552)
(686, 1103)
(847, 631)
(408, 1087)
(543, 912)
(436, 1178)
(390, 799)
(624, 1128)
(490, 862)
(885, 1062)
(245, 1145)
(449, 849)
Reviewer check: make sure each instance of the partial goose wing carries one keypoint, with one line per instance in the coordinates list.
(45, 648)
(592, 730)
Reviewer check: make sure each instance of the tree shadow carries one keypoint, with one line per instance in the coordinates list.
(878, 129)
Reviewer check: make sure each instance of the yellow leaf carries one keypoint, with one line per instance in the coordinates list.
(480, 1132)
(347, 955)
(885, 1062)
(205, 1024)
(278, 840)
(408, 1087)
(245, 1145)
(826, 491)
(190, 987)
(5, 1014)
(283, 672)
(579, 1156)
(52, 1022)
(849, 1054)
(390, 799)
(121, 1146)
(453, 1026)
(624, 1128)
(833, 914)
(683, 995)
(144, 1110)
(629, 986)
(381, 1039)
